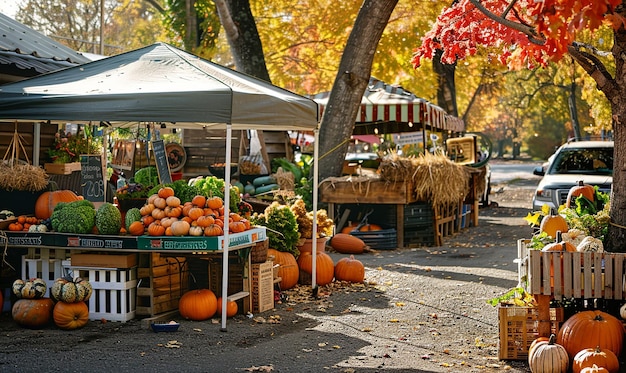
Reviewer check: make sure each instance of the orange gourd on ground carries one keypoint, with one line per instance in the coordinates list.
(198, 305)
(288, 269)
(349, 269)
(231, 307)
(33, 313)
(324, 266)
(48, 200)
(70, 316)
(347, 244)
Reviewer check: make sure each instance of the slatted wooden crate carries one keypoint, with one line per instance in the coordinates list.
(162, 281)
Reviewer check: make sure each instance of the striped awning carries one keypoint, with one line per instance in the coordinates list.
(382, 102)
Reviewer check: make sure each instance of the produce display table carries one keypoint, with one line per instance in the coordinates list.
(48, 253)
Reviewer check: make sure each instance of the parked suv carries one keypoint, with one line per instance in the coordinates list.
(589, 161)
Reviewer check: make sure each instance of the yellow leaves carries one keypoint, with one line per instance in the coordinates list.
(533, 219)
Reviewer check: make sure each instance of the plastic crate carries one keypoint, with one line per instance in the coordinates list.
(381, 239)
(519, 328)
(114, 292)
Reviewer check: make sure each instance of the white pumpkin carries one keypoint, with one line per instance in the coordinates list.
(590, 245)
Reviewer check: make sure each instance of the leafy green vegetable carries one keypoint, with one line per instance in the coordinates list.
(282, 227)
(212, 186)
(147, 176)
(73, 217)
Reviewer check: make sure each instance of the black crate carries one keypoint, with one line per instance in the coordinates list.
(382, 239)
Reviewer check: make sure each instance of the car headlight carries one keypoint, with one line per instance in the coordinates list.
(544, 194)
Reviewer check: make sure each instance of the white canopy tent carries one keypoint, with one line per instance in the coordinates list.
(161, 83)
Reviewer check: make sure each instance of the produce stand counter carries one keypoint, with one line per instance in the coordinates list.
(411, 215)
(49, 250)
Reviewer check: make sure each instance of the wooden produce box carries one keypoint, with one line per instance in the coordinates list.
(62, 168)
(104, 260)
(519, 327)
(162, 281)
(262, 286)
(355, 189)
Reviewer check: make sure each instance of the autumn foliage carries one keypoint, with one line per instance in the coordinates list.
(527, 32)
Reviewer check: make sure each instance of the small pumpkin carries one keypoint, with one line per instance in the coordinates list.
(136, 228)
(236, 227)
(160, 203)
(588, 329)
(180, 228)
(196, 231)
(156, 229)
(595, 356)
(324, 267)
(553, 223)
(68, 290)
(172, 201)
(34, 288)
(594, 369)
(213, 230)
(214, 202)
(199, 201)
(32, 313)
(350, 269)
(231, 307)
(580, 189)
(198, 305)
(165, 192)
(70, 316)
(549, 357)
(347, 244)
(157, 213)
(195, 212)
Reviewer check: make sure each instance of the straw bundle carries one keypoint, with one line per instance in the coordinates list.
(23, 177)
(434, 177)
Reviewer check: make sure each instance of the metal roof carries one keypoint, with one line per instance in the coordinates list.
(24, 49)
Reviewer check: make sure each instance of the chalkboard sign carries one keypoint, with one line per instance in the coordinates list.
(91, 178)
(162, 165)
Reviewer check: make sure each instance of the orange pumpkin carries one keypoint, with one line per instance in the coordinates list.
(195, 212)
(159, 203)
(231, 307)
(594, 369)
(213, 230)
(136, 228)
(70, 316)
(236, 227)
(156, 229)
(215, 203)
(288, 269)
(324, 267)
(580, 189)
(205, 220)
(350, 269)
(157, 213)
(147, 220)
(199, 201)
(198, 305)
(186, 207)
(173, 212)
(595, 356)
(48, 200)
(590, 329)
(33, 313)
(553, 223)
(165, 192)
(347, 244)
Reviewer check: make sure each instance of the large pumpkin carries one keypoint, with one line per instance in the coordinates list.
(33, 313)
(70, 316)
(595, 356)
(48, 200)
(198, 305)
(347, 244)
(580, 189)
(349, 269)
(287, 268)
(589, 329)
(324, 267)
(549, 357)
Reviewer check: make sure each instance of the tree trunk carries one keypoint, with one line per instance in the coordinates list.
(246, 44)
(350, 83)
(446, 87)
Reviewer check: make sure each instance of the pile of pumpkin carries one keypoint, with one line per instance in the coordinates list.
(589, 342)
(66, 305)
(164, 215)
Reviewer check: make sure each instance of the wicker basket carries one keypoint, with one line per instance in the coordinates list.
(258, 254)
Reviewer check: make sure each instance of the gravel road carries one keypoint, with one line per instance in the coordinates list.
(421, 310)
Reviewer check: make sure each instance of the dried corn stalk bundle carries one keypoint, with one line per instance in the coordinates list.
(23, 177)
(284, 179)
(435, 178)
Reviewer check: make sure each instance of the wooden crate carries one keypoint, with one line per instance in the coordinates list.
(162, 281)
(575, 275)
(355, 189)
(519, 327)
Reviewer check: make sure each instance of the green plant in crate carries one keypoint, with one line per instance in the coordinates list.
(282, 227)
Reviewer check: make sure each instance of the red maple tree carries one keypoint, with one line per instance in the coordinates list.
(530, 34)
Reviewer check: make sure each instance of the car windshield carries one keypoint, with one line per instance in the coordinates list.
(593, 161)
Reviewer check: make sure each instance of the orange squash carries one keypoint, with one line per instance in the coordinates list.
(48, 200)
(347, 244)
(136, 228)
(324, 267)
(165, 192)
(33, 313)
(215, 203)
(70, 316)
(350, 269)
(198, 305)
(599, 356)
(199, 201)
(580, 189)
(213, 230)
(552, 223)
(589, 329)
(288, 269)
(231, 307)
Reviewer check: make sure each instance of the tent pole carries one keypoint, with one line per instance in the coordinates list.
(36, 142)
(229, 136)
(316, 144)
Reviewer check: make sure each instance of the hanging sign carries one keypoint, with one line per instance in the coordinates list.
(162, 164)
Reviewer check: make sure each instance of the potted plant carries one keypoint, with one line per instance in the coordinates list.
(304, 218)
(67, 149)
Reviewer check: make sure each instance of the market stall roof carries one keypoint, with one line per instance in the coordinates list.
(26, 52)
(157, 83)
(396, 109)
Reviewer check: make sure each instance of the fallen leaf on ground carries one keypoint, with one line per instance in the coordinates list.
(262, 368)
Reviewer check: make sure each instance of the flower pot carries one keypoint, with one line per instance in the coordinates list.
(307, 246)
